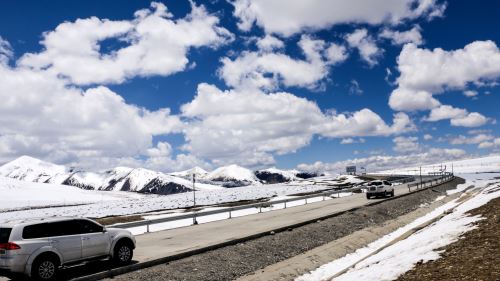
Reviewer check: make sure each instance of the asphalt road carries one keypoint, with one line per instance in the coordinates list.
(156, 245)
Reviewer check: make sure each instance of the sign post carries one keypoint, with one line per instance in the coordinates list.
(194, 199)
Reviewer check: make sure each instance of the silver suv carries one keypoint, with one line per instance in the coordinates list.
(379, 188)
(38, 248)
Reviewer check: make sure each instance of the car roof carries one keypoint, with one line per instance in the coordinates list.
(16, 222)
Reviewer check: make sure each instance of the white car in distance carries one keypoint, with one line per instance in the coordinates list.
(379, 188)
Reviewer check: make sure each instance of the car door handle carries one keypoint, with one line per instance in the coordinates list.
(85, 238)
(54, 242)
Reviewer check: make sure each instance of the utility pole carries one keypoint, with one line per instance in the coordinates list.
(420, 175)
(194, 200)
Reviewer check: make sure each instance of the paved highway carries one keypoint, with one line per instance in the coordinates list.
(169, 243)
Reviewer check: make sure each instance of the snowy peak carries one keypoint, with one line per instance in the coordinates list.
(233, 173)
(196, 171)
(274, 175)
(31, 169)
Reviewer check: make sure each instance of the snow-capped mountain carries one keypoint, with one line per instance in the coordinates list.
(139, 180)
(188, 174)
(233, 175)
(31, 169)
(274, 175)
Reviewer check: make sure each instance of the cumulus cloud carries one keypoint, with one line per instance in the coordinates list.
(352, 140)
(269, 43)
(470, 93)
(428, 137)
(288, 17)
(380, 163)
(424, 73)
(249, 126)
(366, 45)
(461, 139)
(154, 44)
(402, 37)
(473, 119)
(48, 119)
(406, 144)
(490, 144)
(264, 69)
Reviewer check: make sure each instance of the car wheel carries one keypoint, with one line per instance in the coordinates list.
(123, 253)
(45, 268)
(368, 196)
(392, 193)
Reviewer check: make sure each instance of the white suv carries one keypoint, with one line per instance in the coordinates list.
(38, 248)
(379, 188)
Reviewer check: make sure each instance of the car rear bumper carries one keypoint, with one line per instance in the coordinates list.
(378, 193)
(12, 263)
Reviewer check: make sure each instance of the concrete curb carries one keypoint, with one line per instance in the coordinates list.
(133, 267)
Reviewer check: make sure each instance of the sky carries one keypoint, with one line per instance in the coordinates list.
(315, 85)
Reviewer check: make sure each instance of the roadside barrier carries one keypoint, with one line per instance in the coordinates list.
(322, 195)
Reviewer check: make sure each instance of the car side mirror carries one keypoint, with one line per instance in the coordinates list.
(104, 230)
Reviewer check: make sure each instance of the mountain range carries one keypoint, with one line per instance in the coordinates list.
(141, 180)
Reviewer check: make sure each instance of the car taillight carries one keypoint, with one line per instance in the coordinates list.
(9, 246)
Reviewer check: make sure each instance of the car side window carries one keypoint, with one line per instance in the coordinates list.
(36, 231)
(89, 227)
(63, 228)
(386, 183)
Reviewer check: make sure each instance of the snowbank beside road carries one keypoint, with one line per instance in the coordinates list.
(390, 256)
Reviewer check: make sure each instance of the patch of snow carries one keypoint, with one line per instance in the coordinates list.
(16, 194)
(424, 245)
(232, 172)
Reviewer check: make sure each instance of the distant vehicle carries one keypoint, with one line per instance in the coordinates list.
(39, 248)
(379, 188)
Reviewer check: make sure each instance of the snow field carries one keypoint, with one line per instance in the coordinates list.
(401, 256)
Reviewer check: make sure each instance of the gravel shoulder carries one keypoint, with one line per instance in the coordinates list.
(232, 262)
(476, 256)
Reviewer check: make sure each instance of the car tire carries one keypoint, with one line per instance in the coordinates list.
(45, 268)
(123, 253)
(392, 193)
(368, 196)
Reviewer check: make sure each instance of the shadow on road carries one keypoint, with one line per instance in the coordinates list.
(88, 268)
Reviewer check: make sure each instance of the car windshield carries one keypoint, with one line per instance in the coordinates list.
(5, 234)
(376, 183)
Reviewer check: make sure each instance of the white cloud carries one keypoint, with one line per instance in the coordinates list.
(461, 139)
(406, 144)
(490, 144)
(41, 116)
(270, 43)
(268, 69)
(445, 112)
(402, 37)
(427, 137)
(382, 162)
(473, 119)
(458, 116)
(352, 140)
(424, 73)
(354, 88)
(470, 93)
(288, 17)
(366, 46)
(248, 127)
(5, 51)
(155, 44)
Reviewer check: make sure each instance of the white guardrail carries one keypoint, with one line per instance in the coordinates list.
(260, 205)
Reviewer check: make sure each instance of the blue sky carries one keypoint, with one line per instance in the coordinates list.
(195, 88)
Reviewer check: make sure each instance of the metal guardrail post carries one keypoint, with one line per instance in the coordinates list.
(230, 213)
(285, 204)
(147, 228)
(306, 201)
(260, 208)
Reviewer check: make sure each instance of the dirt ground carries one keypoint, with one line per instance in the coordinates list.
(474, 257)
